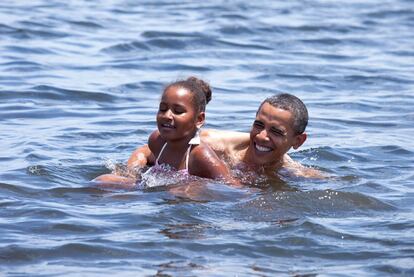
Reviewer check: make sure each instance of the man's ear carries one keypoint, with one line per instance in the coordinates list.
(299, 140)
(201, 118)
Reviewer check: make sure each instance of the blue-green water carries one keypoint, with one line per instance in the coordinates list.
(79, 87)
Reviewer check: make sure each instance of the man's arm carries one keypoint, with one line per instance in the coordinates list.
(224, 142)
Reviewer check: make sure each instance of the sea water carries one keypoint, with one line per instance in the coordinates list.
(80, 83)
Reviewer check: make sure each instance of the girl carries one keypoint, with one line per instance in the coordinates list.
(176, 143)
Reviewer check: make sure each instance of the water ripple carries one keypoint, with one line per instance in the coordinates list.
(80, 83)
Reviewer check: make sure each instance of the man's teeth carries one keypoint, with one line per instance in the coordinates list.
(263, 148)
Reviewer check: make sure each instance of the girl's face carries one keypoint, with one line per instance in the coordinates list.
(177, 117)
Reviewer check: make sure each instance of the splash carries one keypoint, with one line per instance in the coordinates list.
(161, 176)
(110, 164)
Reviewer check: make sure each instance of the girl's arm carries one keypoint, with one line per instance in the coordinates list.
(126, 179)
(113, 181)
(141, 157)
(144, 155)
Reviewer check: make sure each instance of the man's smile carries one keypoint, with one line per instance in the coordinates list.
(261, 148)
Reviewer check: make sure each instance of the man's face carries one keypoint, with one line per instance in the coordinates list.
(272, 135)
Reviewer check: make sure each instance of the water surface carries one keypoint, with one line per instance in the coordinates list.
(79, 87)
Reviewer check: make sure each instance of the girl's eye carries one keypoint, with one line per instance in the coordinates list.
(178, 109)
(162, 108)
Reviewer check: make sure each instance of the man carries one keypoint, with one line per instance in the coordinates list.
(279, 125)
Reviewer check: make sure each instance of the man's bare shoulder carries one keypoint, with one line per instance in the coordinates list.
(223, 139)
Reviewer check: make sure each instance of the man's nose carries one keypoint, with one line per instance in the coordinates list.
(263, 134)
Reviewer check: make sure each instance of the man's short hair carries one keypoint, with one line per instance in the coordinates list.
(291, 103)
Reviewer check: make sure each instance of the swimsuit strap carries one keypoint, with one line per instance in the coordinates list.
(159, 155)
(194, 141)
(187, 157)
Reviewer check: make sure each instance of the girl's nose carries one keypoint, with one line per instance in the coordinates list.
(168, 114)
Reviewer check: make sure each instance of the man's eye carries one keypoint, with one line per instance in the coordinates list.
(179, 111)
(277, 132)
(258, 124)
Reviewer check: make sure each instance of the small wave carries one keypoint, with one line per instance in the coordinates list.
(61, 191)
(327, 153)
(5, 29)
(337, 57)
(357, 105)
(165, 43)
(288, 204)
(323, 41)
(300, 77)
(126, 47)
(234, 44)
(363, 123)
(234, 16)
(389, 14)
(15, 189)
(396, 150)
(395, 266)
(401, 53)
(17, 253)
(30, 50)
(87, 24)
(55, 93)
(235, 30)
(314, 29)
(166, 34)
(58, 175)
(28, 33)
(44, 213)
(23, 66)
(362, 79)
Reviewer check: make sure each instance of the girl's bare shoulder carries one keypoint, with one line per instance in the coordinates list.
(155, 142)
(204, 162)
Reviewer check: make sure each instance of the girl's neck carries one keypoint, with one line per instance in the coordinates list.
(174, 153)
(180, 143)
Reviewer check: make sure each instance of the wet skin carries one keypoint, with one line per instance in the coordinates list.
(271, 136)
(177, 122)
(177, 117)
